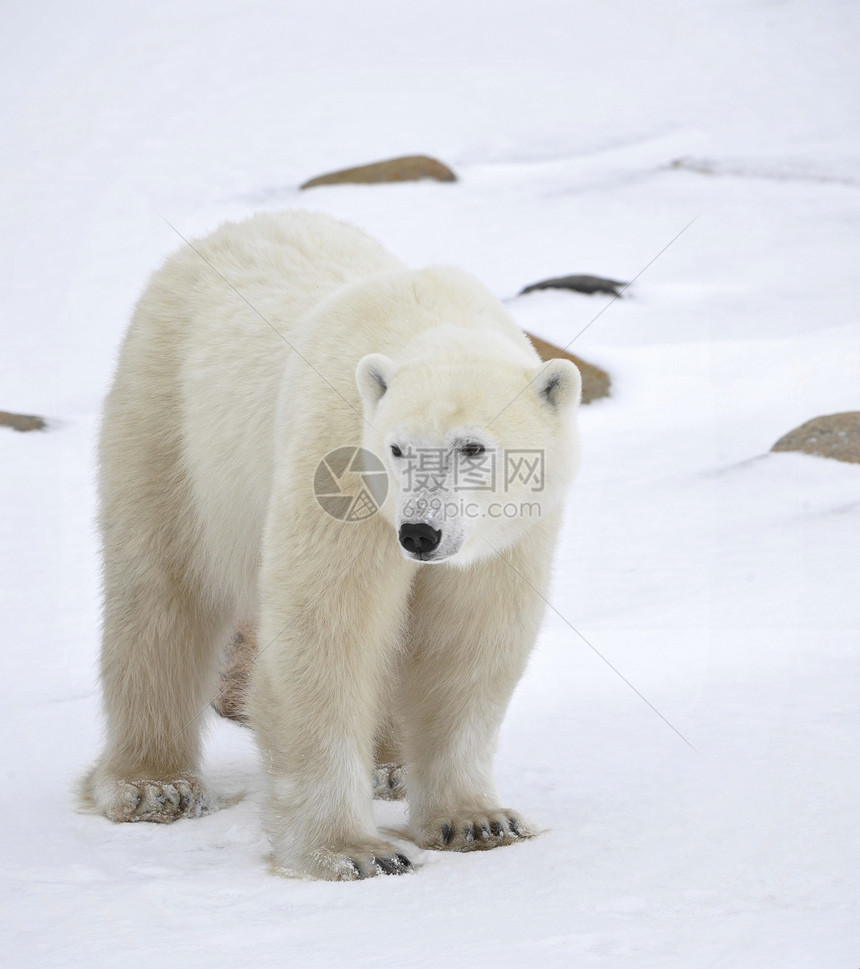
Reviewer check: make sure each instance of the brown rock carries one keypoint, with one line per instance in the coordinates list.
(595, 382)
(235, 672)
(22, 422)
(833, 436)
(409, 168)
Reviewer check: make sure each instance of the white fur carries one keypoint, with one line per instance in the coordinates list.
(251, 356)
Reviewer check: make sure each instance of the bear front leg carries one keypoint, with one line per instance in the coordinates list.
(470, 637)
(328, 627)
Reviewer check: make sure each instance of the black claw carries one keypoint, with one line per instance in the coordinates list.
(497, 828)
(447, 833)
(515, 826)
(485, 832)
(468, 834)
(393, 866)
(356, 869)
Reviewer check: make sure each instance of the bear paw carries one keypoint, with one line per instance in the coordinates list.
(160, 801)
(475, 832)
(348, 863)
(389, 782)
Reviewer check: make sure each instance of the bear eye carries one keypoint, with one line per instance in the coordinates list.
(395, 450)
(472, 450)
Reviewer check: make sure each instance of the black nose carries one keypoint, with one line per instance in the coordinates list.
(419, 537)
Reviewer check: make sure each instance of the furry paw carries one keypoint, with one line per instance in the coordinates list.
(353, 862)
(389, 782)
(477, 831)
(160, 801)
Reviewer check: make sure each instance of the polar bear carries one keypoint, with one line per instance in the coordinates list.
(278, 353)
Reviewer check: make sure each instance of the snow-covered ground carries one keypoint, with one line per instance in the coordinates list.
(688, 729)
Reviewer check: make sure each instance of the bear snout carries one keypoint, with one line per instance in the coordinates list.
(419, 538)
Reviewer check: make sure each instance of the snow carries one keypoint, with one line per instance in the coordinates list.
(687, 732)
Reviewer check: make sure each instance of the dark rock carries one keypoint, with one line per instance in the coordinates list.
(579, 284)
(833, 436)
(700, 165)
(22, 422)
(235, 672)
(595, 382)
(409, 168)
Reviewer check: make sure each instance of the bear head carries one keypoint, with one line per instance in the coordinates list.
(479, 442)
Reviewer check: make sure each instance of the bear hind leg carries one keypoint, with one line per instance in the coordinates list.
(159, 662)
(389, 772)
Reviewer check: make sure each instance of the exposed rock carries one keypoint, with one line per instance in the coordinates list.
(579, 284)
(784, 171)
(702, 166)
(22, 422)
(409, 168)
(230, 701)
(595, 382)
(833, 436)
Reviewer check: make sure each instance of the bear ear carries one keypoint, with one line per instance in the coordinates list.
(558, 383)
(372, 376)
